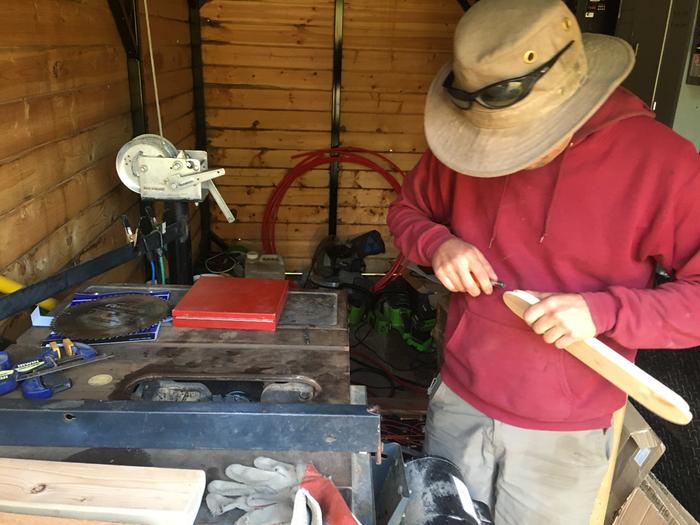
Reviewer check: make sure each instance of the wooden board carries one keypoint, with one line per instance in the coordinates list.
(29, 519)
(600, 506)
(143, 495)
(622, 373)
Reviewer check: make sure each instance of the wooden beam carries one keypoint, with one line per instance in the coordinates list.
(29, 519)
(145, 495)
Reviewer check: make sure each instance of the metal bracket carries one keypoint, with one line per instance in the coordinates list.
(203, 425)
(125, 16)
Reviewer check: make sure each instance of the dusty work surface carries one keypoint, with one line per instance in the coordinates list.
(310, 344)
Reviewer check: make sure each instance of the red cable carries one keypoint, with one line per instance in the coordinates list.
(311, 160)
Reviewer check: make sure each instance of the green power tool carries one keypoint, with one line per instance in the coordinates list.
(411, 315)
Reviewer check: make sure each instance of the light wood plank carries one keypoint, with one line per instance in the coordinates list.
(393, 60)
(54, 208)
(170, 84)
(224, 54)
(382, 123)
(164, 31)
(388, 82)
(385, 142)
(268, 177)
(66, 243)
(390, 103)
(45, 167)
(313, 13)
(600, 506)
(622, 373)
(309, 196)
(31, 72)
(168, 58)
(270, 33)
(269, 119)
(268, 99)
(179, 130)
(28, 519)
(53, 23)
(176, 10)
(270, 158)
(278, 78)
(37, 121)
(146, 495)
(280, 140)
(171, 109)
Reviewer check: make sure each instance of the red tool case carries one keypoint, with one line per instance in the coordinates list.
(231, 302)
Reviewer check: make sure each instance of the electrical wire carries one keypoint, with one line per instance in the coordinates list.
(406, 384)
(313, 159)
(162, 269)
(154, 278)
(223, 262)
(153, 67)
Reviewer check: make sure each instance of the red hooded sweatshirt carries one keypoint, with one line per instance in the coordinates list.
(622, 198)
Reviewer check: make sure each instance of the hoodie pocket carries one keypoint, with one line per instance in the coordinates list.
(508, 368)
(591, 394)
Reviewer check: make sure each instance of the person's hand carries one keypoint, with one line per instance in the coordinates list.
(561, 319)
(461, 267)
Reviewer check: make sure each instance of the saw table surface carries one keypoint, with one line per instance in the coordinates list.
(310, 343)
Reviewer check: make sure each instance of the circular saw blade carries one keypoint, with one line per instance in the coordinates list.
(148, 145)
(110, 317)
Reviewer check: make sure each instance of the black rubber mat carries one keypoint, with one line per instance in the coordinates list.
(679, 467)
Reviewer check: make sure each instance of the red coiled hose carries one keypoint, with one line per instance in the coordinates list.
(313, 159)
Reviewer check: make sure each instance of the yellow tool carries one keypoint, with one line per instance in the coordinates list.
(8, 286)
(54, 346)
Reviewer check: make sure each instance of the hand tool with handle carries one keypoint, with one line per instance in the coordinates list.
(622, 373)
(29, 374)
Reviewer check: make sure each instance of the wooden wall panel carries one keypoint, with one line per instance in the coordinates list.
(267, 74)
(391, 51)
(64, 102)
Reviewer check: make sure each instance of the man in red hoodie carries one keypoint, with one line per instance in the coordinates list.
(544, 173)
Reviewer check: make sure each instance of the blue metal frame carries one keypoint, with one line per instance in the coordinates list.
(206, 425)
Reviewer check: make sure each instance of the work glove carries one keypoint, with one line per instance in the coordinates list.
(264, 492)
(275, 493)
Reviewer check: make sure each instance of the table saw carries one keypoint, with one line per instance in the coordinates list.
(299, 405)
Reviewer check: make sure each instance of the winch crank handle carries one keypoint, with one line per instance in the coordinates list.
(211, 174)
(220, 201)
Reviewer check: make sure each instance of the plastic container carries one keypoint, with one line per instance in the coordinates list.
(264, 266)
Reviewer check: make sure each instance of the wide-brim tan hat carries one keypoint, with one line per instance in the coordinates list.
(484, 142)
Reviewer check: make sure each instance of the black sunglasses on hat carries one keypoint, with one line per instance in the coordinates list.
(500, 94)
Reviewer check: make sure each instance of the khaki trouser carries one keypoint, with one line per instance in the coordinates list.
(525, 476)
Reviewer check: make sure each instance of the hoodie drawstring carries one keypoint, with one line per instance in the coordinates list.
(498, 211)
(548, 216)
(550, 207)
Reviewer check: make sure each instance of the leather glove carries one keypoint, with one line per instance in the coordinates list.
(265, 492)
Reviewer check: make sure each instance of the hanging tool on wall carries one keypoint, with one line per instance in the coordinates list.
(153, 167)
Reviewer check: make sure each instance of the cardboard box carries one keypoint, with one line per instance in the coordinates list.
(640, 449)
(652, 504)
